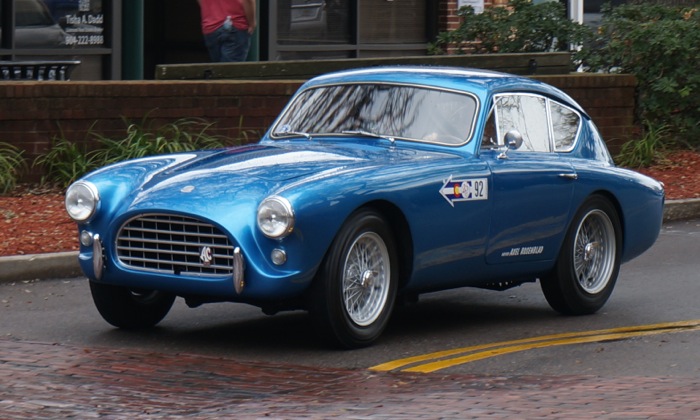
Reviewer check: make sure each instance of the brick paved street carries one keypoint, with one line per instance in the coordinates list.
(40, 380)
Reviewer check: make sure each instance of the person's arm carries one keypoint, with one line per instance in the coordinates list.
(249, 7)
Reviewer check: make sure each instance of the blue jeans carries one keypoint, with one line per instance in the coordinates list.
(227, 45)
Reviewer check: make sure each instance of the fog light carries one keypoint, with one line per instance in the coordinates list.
(278, 256)
(85, 238)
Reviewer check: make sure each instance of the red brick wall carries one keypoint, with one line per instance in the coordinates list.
(447, 16)
(32, 113)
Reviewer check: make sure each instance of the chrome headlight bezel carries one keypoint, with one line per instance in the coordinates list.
(275, 217)
(82, 201)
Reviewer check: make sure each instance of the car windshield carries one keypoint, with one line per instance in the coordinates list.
(380, 110)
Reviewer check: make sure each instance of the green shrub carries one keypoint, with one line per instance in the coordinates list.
(180, 136)
(660, 45)
(646, 151)
(66, 161)
(11, 165)
(520, 27)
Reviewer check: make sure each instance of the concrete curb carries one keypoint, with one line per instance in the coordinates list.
(65, 264)
(39, 266)
(681, 209)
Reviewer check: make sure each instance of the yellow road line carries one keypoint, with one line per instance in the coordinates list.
(448, 358)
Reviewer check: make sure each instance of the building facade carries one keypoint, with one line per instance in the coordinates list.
(126, 39)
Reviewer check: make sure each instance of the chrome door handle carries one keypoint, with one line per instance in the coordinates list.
(569, 176)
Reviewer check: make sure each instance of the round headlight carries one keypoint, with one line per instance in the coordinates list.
(275, 217)
(81, 200)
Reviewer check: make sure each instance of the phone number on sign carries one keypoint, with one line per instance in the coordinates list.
(85, 39)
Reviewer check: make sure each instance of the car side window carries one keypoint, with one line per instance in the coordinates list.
(489, 139)
(565, 126)
(528, 115)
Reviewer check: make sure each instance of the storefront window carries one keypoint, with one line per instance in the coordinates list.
(317, 29)
(35, 27)
(392, 21)
(82, 20)
(313, 21)
(58, 23)
(49, 33)
(593, 10)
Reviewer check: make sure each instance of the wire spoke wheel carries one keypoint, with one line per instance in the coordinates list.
(589, 261)
(353, 295)
(366, 279)
(594, 251)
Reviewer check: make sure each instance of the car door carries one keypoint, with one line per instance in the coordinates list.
(532, 186)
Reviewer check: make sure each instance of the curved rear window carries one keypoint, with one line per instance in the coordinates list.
(397, 111)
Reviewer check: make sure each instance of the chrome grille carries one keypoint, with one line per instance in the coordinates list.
(174, 245)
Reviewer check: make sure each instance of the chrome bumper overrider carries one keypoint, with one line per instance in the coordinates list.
(238, 270)
(97, 257)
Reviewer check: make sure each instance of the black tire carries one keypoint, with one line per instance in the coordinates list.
(129, 309)
(588, 262)
(354, 292)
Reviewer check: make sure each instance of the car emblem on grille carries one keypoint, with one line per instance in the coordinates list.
(205, 256)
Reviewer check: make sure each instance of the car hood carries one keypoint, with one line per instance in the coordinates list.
(270, 163)
(214, 178)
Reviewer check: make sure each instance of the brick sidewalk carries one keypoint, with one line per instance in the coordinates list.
(39, 380)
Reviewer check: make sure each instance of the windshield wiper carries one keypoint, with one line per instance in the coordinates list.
(369, 134)
(292, 133)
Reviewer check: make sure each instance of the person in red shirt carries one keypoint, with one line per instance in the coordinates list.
(227, 26)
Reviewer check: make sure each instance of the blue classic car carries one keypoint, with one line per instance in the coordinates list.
(372, 186)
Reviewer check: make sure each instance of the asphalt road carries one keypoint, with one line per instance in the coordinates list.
(659, 288)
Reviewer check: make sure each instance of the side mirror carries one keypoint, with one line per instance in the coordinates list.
(513, 140)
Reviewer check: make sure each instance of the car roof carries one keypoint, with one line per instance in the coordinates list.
(478, 81)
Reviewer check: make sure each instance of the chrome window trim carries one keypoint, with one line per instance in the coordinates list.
(550, 122)
(546, 106)
(551, 125)
(469, 138)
